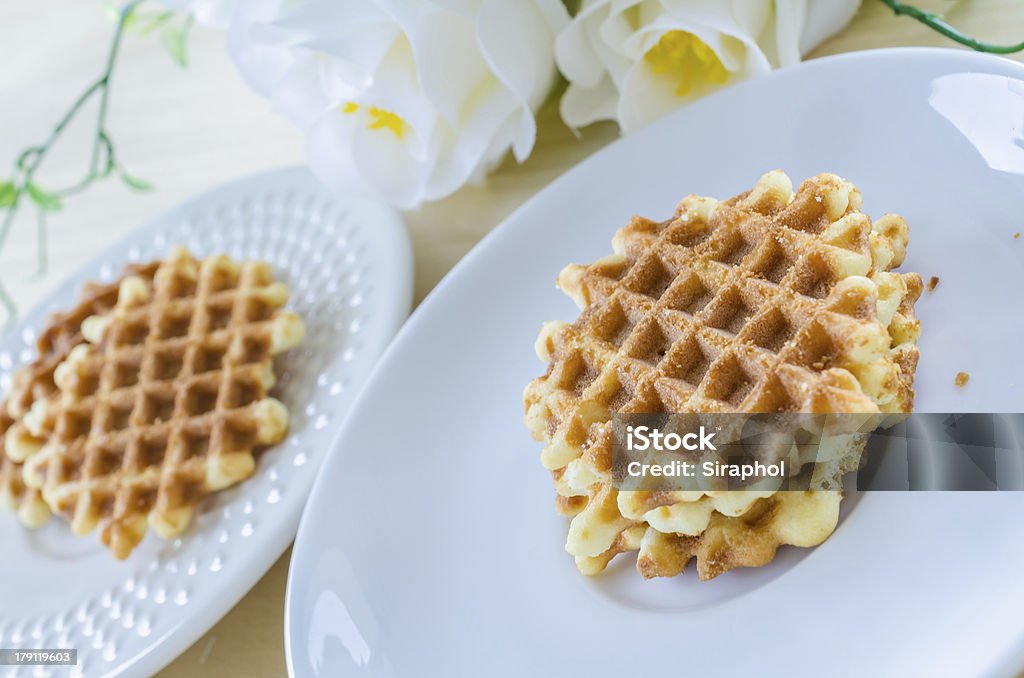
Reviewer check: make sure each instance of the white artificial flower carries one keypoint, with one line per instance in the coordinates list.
(404, 99)
(634, 60)
(211, 13)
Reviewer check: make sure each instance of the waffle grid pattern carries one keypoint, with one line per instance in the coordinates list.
(168, 403)
(768, 302)
(34, 382)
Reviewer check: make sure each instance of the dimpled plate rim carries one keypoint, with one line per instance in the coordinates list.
(136, 616)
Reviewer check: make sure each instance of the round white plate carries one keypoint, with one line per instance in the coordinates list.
(430, 545)
(348, 264)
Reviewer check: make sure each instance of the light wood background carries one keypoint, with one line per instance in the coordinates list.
(189, 130)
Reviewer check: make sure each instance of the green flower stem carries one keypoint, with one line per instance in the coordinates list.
(101, 164)
(7, 304)
(42, 242)
(937, 23)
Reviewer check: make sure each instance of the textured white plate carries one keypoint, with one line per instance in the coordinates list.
(349, 266)
(430, 545)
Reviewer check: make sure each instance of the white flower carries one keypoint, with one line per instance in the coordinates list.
(405, 99)
(634, 60)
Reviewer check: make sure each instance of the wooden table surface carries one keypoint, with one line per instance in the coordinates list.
(192, 129)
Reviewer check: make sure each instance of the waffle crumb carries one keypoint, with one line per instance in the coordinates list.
(933, 282)
(961, 379)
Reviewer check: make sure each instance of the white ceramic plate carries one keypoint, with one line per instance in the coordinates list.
(430, 545)
(349, 266)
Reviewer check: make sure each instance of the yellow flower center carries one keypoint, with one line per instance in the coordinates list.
(379, 118)
(688, 58)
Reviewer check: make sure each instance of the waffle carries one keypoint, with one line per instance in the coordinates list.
(768, 302)
(167, 401)
(749, 539)
(34, 381)
(14, 495)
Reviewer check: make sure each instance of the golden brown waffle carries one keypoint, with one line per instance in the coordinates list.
(14, 495)
(34, 381)
(768, 302)
(749, 539)
(63, 332)
(167, 403)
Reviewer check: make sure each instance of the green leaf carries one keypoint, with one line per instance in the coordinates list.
(45, 200)
(135, 183)
(150, 22)
(8, 194)
(175, 39)
(131, 17)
